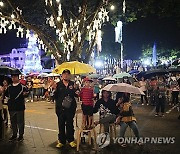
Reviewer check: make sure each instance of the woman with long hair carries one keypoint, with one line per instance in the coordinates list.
(126, 116)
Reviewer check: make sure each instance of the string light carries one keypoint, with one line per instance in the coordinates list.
(12, 16)
(70, 30)
(1, 4)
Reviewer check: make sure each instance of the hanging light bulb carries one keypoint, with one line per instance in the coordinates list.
(58, 18)
(46, 2)
(59, 10)
(1, 4)
(12, 16)
(17, 34)
(10, 27)
(51, 2)
(79, 36)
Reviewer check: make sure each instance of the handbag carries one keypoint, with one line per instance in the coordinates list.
(67, 102)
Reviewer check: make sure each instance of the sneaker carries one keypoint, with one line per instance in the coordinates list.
(156, 115)
(13, 138)
(20, 138)
(31, 101)
(72, 144)
(147, 103)
(142, 103)
(162, 115)
(140, 143)
(59, 145)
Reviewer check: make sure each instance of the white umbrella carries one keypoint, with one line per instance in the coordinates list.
(53, 74)
(123, 87)
(44, 75)
(109, 78)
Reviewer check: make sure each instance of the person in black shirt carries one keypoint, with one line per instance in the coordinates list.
(16, 106)
(107, 109)
(65, 109)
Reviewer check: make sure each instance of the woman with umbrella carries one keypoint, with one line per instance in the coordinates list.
(126, 116)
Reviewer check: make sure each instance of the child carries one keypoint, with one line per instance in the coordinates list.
(86, 96)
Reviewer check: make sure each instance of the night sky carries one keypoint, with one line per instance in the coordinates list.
(164, 32)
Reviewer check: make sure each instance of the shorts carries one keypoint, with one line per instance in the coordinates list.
(87, 110)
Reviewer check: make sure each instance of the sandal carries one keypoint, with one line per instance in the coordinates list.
(123, 145)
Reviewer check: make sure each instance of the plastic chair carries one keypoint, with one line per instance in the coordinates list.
(80, 130)
(112, 131)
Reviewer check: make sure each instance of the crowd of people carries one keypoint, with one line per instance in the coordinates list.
(65, 94)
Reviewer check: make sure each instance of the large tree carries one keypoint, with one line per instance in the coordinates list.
(66, 27)
(162, 53)
(62, 27)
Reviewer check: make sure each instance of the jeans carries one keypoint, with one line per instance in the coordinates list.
(132, 125)
(106, 121)
(30, 95)
(17, 122)
(160, 104)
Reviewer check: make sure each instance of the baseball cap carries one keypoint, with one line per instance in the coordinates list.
(87, 79)
(66, 71)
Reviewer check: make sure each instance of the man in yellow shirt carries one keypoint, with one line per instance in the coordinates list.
(36, 87)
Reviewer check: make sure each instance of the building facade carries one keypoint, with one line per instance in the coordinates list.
(14, 59)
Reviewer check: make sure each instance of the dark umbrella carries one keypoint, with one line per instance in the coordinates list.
(2, 78)
(155, 72)
(174, 70)
(6, 70)
(141, 74)
(176, 62)
(133, 72)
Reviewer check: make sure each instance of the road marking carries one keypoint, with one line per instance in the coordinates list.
(176, 106)
(35, 111)
(52, 130)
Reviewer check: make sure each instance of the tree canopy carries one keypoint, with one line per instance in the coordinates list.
(67, 27)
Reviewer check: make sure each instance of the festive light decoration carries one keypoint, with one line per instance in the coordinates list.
(1, 4)
(70, 32)
(32, 59)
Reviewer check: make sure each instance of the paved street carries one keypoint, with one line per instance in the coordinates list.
(41, 132)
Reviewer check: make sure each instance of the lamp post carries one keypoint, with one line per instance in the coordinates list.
(118, 35)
